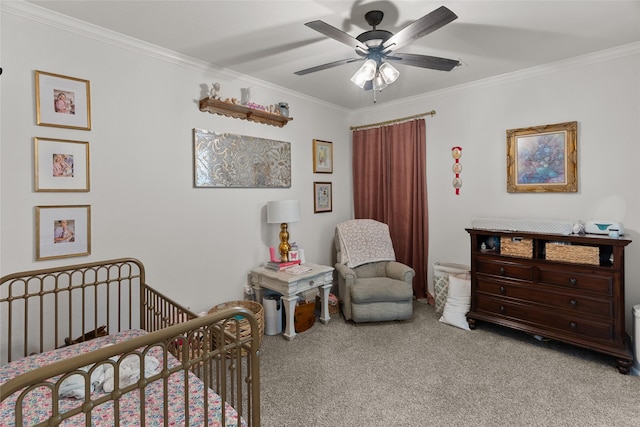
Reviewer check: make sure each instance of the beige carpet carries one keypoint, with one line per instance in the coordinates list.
(424, 373)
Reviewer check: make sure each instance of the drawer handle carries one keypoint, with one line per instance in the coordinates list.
(573, 281)
(573, 325)
(311, 283)
(573, 303)
(502, 309)
(502, 290)
(502, 271)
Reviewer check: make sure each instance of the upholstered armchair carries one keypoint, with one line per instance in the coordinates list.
(372, 285)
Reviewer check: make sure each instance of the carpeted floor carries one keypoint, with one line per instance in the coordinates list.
(424, 373)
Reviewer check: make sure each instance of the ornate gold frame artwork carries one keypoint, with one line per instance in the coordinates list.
(237, 161)
(62, 101)
(543, 159)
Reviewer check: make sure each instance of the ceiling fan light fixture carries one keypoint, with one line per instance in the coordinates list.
(378, 82)
(365, 73)
(389, 73)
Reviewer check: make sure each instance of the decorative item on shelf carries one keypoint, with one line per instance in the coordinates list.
(456, 153)
(215, 91)
(283, 107)
(246, 95)
(282, 212)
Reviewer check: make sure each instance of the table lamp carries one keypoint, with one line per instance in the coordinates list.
(283, 211)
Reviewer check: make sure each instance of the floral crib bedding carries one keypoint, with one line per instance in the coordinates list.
(37, 404)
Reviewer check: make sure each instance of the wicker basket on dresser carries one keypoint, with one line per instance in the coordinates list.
(557, 293)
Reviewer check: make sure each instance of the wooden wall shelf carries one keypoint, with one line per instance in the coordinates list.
(236, 111)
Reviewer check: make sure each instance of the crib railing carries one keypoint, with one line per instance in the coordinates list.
(39, 309)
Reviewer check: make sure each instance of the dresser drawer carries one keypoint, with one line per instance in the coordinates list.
(511, 270)
(601, 284)
(570, 301)
(551, 319)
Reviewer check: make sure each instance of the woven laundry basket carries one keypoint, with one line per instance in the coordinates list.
(243, 323)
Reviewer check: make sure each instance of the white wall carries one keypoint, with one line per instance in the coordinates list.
(198, 244)
(601, 92)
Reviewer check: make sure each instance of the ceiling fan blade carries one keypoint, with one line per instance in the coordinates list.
(329, 65)
(423, 26)
(336, 34)
(424, 61)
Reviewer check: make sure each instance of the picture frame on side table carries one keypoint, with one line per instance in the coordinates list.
(63, 231)
(322, 156)
(322, 197)
(62, 101)
(61, 165)
(543, 159)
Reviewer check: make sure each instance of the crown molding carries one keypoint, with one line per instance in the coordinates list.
(45, 16)
(515, 76)
(48, 17)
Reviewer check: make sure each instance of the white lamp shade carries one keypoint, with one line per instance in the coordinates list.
(365, 73)
(283, 211)
(389, 73)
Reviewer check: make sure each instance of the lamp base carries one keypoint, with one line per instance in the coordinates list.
(284, 247)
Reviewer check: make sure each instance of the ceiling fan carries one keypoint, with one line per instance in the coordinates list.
(378, 48)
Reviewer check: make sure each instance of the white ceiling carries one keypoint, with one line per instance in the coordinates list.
(269, 41)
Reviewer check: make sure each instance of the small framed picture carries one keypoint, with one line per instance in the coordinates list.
(293, 256)
(62, 101)
(322, 197)
(63, 231)
(61, 165)
(322, 156)
(543, 159)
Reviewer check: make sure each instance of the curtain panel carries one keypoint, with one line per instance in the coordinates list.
(389, 185)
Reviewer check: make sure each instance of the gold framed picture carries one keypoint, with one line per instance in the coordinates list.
(61, 165)
(62, 101)
(322, 197)
(542, 159)
(322, 156)
(63, 231)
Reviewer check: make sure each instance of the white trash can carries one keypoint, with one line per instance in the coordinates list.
(272, 314)
(441, 272)
(635, 369)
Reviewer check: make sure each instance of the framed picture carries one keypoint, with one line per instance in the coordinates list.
(61, 165)
(63, 231)
(322, 197)
(322, 156)
(543, 159)
(62, 101)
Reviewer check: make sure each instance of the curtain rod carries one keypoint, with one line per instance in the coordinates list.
(388, 122)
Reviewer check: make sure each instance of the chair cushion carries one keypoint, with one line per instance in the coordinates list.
(382, 311)
(380, 289)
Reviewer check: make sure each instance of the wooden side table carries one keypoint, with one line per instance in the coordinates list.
(290, 286)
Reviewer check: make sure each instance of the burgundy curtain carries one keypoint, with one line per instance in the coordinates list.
(389, 185)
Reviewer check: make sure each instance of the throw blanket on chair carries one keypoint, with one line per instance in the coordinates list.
(363, 241)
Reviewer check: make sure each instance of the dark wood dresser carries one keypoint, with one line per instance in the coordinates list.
(566, 288)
